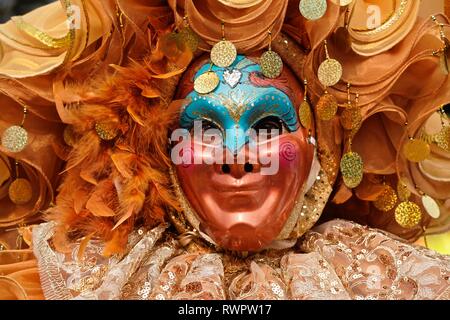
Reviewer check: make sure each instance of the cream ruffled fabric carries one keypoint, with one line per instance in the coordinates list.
(337, 260)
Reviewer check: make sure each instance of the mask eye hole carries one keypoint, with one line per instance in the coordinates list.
(206, 125)
(270, 124)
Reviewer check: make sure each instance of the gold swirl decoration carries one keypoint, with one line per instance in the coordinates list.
(41, 36)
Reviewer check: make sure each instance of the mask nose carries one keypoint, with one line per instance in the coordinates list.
(237, 171)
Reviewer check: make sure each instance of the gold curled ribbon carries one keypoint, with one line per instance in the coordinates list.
(41, 36)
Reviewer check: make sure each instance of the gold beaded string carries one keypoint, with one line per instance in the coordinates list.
(443, 53)
(270, 40)
(347, 18)
(185, 21)
(25, 112)
(349, 102)
(222, 24)
(441, 30)
(425, 237)
(17, 168)
(349, 97)
(305, 82)
(327, 55)
(119, 15)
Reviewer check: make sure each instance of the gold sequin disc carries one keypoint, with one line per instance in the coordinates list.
(351, 118)
(327, 107)
(313, 9)
(206, 82)
(431, 206)
(416, 150)
(352, 169)
(223, 54)
(189, 38)
(20, 191)
(106, 131)
(408, 214)
(271, 64)
(387, 200)
(403, 191)
(305, 115)
(330, 72)
(15, 139)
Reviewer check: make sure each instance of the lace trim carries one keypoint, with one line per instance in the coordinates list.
(52, 281)
(119, 274)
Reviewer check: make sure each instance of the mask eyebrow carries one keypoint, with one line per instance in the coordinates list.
(273, 103)
(203, 108)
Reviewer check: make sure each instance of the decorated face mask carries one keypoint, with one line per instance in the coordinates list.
(241, 157)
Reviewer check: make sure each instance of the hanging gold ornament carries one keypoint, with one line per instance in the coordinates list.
(351, 118)
(408, 214)
(304, 111)
(330, 70)
(106, 131)
(20, 191)
(431, 206)
(327, 107)
(416, 150)
(403, 191)
(223, 53)
(15, 139)
(206, 82)
(305, 114)
(313, 9)
(387, 200)
(188, 37)
(270, 62)
(352, 167)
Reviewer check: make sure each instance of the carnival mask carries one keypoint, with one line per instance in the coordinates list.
(241, 157)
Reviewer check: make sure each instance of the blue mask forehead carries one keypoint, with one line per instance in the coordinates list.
(238, 103)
